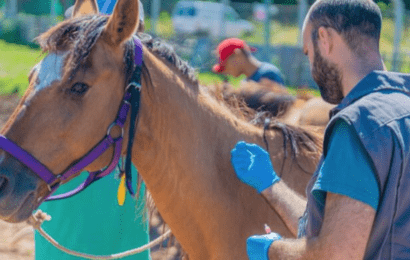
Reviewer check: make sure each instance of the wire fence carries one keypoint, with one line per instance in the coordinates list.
(198, 45)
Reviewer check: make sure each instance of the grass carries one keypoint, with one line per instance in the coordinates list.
(209, 78)
(16, 62)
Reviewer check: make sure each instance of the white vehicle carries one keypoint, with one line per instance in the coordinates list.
(190, 17)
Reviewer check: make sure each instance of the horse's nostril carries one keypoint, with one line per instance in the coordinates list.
(3, 183)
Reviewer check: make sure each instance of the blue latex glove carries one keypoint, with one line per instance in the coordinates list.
(257, 247)
(253, 166)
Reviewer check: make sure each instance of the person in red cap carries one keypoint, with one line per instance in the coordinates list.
(235, 59)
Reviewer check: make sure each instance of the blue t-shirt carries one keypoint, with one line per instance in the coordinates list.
(347, 169)
(107, 7)
(268, 71)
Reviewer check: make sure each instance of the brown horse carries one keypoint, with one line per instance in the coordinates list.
(315, 112)
(302, 109)
(262, 96)
(183, 135)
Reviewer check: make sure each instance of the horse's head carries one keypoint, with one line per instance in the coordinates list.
(73, 96)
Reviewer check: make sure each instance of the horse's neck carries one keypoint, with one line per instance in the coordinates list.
(182, 151)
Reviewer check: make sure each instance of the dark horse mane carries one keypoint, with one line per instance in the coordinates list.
(82, 33)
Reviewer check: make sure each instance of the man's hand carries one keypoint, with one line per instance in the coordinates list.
(257, 247)
(253, 166)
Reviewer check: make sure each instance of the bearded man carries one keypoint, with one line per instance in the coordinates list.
(358, 201)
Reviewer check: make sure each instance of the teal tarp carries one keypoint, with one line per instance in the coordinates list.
(92, 222)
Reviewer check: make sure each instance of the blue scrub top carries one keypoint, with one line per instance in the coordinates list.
(347, 169)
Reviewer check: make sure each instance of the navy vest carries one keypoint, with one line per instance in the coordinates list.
(378, 108)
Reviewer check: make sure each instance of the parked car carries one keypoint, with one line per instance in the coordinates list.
(190, 17)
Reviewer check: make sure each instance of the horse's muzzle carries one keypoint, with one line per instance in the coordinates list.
(18, 190)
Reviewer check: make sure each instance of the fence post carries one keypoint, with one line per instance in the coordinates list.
(155, 8)
(222, 23)
(398, 19)
(267, 30)
(53, 13)
(11, 8)
(302, 10)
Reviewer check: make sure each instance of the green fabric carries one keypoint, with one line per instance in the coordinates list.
(92, 222)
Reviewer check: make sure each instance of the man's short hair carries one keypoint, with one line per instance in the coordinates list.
(353, 19)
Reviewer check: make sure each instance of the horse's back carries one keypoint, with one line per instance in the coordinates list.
(315, 112)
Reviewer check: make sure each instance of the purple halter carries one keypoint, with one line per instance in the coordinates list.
(53, 181)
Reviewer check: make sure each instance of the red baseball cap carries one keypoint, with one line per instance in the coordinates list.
(226, 48)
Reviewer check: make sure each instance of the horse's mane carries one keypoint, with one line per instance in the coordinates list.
(296, 136)
(80, 35)
(167, 52)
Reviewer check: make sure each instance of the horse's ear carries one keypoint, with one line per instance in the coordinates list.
(122, 23)
(84, 7)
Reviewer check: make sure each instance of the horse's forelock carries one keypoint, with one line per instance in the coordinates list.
(79, 36)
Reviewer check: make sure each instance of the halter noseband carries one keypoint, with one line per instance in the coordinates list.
(131, 101)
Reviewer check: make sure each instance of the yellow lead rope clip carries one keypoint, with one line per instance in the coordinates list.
(121, 191)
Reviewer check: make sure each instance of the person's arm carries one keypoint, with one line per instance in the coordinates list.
(253, 166)
(289, 205)
(345, 231)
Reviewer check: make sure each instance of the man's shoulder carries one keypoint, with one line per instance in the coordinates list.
(268, 67)
(269, 71)
(380, 107)
(378, 117)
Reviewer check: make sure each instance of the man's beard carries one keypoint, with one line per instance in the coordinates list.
(328, 78)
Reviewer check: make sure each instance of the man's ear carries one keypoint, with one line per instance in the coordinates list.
(239, 54)
(325, 40)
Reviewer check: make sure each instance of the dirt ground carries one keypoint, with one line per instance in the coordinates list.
(23, 248)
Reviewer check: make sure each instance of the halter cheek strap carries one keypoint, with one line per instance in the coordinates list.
(134, 88)
(131, 100)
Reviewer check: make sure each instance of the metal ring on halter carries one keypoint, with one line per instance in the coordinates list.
(111, 127)
(135, 84)
(56, 182)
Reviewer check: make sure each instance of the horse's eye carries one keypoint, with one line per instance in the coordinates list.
(79, 89)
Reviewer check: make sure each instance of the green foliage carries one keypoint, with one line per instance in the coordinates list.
(37, 7)
(384, 7)
(11, 31)
(164, 25)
